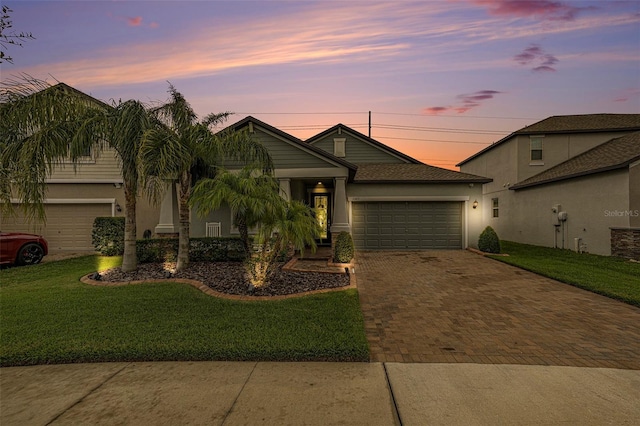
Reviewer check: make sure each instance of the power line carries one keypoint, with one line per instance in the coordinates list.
(435, 140)
(441, 129)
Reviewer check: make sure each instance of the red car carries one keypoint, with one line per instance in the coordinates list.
(17, 248)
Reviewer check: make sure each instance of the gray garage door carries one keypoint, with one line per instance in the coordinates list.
(388, 225)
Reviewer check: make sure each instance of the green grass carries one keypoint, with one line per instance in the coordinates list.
(610, 276)
(48, 316)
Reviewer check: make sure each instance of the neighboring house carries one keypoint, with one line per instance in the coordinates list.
(75, 198)
(567, 181)
(385, 198)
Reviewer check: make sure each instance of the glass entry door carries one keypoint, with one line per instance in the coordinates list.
(322, 210)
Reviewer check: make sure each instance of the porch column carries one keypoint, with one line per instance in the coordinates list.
(285, 188)
(168, 222)
(340, 218)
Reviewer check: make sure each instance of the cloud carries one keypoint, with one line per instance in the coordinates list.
(541, 9)
(535, 56)
(135, 21)
(465, 102)
(628, 95)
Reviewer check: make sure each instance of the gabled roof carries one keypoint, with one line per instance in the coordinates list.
(249, 119)
(412, 173)
(363, 137)
(587, 123)
(615, 154)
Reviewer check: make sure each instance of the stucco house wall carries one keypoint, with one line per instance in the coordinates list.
(528, 217)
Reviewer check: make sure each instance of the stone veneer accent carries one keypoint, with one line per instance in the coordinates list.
(625, 242)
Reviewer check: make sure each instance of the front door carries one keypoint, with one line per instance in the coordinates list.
(321, 205)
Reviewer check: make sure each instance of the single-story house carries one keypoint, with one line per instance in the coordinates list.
(567, 181)
(385, 198)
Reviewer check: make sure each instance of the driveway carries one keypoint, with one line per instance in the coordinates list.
(457, 306)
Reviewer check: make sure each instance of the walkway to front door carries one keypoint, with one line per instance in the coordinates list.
(456, 306)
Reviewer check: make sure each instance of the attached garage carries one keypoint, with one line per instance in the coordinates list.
(69, 224)
(385, 225)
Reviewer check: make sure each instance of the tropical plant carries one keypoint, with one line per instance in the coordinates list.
(250, 195)
(294, 226)
(185, 150)
(42, 125)
(489, 241)
(255, 203)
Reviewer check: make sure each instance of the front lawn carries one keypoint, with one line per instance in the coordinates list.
(48, 316)
(610, 276)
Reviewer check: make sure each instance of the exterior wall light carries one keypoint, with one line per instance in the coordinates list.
(475, 204)
(119, 209)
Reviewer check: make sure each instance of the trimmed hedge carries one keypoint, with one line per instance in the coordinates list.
(489, 241)
(218, 249)
(344, 248)
(107, 235)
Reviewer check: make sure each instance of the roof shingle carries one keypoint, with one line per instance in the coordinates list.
(614, 154)
(412, 173)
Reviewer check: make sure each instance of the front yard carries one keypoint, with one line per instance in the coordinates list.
(48, 316)
(610, 276)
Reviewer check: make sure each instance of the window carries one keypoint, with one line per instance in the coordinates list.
(536, 148)
(494, 207)
(339, 147)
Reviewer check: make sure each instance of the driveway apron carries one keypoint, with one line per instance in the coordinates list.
(457, 306)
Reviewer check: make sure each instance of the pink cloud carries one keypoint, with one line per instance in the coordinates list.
(628, 95)
(542, 9)
(135, 21)
(154, 25)
(535, 56)
(435, 110)
(466, 102)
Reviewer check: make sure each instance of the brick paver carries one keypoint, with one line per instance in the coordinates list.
(456, 306)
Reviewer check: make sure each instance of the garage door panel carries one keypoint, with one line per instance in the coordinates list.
(413, 225)
(68, 226)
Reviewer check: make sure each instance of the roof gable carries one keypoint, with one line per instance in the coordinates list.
(586, 123)
(614, 154)
(288, 151)
(359, 148)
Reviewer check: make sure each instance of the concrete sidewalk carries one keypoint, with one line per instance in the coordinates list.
(264, 393)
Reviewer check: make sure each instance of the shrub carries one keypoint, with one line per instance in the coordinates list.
(489, 241)
(108, 235)
(344, 249)
(219, 249)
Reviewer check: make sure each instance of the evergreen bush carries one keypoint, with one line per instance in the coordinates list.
(489, 241)
(107, 235)
(344, 248)
(218, 249)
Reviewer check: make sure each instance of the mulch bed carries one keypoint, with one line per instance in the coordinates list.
(230, 278)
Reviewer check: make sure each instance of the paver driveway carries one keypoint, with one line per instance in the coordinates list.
(457, 306)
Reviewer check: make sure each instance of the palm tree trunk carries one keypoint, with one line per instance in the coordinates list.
(129, 258)
(243, 229)
(183, 209)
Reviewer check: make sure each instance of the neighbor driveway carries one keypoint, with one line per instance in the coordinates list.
(457, 306)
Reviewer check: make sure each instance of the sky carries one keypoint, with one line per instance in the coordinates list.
(442, 79)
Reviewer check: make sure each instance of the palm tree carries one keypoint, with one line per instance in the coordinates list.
(122, 128)
(184, 150)
(255, 202)
(250, 196)
(43, 124)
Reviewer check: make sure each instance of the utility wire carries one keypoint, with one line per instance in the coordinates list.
(434, 140)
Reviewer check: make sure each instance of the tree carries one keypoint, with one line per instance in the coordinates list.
(255, 202)
(251, 196)
(184, 150)
(8, 38)
(122, 128)
(41, 125)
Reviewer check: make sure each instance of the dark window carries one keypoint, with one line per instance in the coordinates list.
(494, 207)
